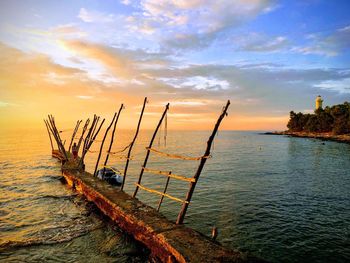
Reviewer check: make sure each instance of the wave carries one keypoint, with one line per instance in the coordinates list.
(63, 236)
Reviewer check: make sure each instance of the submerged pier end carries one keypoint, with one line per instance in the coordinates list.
(167, 241)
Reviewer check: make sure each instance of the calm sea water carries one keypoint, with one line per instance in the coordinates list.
(278, 198)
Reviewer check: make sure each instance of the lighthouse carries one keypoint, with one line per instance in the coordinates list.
(318, 102)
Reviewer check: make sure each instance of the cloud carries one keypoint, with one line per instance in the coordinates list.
(340, 86)
(95, 17)
(193, 24)
(256, 42)
(84, 97)
(7, 104)
(326, 45)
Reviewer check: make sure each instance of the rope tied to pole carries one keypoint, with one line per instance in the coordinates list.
(169, 174)
(124, 149)
(160, 193)
(120, 156)
(174, 156)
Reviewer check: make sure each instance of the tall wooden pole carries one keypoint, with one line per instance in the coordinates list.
(91, 141)
(55, 132)
(112, 137)
(185, 205)
(48, 131)
(149, 147)
(102, 143)
(86, 125)
(74, 133)
(132, 143)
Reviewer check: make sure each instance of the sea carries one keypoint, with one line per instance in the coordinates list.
(278, 198)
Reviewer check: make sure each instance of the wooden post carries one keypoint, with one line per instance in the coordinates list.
(55, 132)
(182, 213)
(86, 125)
(74, 133)
(112, 137)
(132, 143)
(148, 150)
(91, 141)
(165, 188)
(103, 141)
(47, 128)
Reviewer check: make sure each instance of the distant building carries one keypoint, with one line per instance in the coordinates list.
(318, 102)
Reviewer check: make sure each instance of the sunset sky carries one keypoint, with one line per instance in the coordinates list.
(76, 58)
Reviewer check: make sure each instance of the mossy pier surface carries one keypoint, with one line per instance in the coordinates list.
(167, 241)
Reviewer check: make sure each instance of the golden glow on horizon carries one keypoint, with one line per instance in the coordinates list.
(36, 86)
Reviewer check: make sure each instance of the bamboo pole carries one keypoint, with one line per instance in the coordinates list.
(102, 143)
(112, 137)
(148, 151)
(74, 133)
(164, 192)
(182, 213)
(133, 142)
(47, 128)
(93, 136)
(86, 125)
(55, 132)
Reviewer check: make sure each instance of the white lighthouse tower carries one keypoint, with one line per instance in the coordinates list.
(318, 102)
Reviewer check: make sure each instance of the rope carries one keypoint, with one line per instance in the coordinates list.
(122, 157)
(169, 174)
(178, 156)
(91, 151)
(128, 146)
(160, 193)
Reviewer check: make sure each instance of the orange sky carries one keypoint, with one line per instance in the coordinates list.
(36, 86)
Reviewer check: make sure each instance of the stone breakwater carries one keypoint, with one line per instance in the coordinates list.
(167, 241)
(344, 138)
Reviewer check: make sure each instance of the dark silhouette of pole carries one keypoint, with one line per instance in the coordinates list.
(48, 131)
(185, 205)
(86, 125)
(74, 133)
(112, 137)
(148, 149)
(103, 141)
(132, 143)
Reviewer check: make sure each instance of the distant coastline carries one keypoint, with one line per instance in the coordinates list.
(325, 136)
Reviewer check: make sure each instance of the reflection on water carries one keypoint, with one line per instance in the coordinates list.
(282, 199)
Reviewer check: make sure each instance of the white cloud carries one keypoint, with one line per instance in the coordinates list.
(7, 104)
(95, 17)
(260, 43)
(326, 45)
(339, 86)
(84, 97)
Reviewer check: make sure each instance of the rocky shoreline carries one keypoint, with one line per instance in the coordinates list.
(344, 138)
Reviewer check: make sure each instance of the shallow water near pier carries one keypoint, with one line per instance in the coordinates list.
(279, 198)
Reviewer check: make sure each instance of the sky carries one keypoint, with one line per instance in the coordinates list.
(77, 58)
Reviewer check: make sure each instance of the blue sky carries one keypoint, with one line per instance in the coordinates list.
(268, 57)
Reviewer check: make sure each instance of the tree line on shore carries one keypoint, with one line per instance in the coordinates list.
(335, 119)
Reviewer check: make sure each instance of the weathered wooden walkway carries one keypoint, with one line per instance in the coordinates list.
(167, 241)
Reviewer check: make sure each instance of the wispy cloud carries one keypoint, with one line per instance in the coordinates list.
(257, 42)
(326, 45)
(89, 16)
